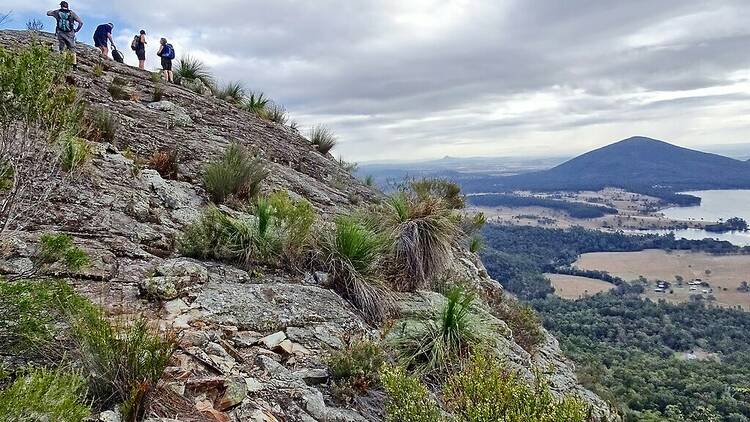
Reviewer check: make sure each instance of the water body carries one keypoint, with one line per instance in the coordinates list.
(715, 205)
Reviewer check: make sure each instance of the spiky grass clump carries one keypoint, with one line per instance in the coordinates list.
(485, 391)
(256, 103)
(191, 69)
(295, 220)
(446, 190)
(522, 320)
(45, 395)
(237, 173)
(322, 138)
(439, 345)
(352, 253)
(97, 70)
(355, 368)
(407, 399)
(74, 152)
(369, 180)
(275, 113)
(423, 231)
(476, 244)
(26, 323)
(166, 163)
(216, 235)
(100, 126)
(118, 92)
(54, 248)
(233, 92)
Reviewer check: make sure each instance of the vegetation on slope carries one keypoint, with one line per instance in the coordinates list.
(574, 209)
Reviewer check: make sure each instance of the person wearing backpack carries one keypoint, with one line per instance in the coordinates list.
(166, 52)
(103, 37)
(65, 29)
(139, 46)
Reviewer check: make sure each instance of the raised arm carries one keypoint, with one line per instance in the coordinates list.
(52, 13)
(78, 20)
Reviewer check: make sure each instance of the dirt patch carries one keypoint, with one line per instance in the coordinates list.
(574, 287)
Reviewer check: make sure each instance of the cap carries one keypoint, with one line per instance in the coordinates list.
(63, 4)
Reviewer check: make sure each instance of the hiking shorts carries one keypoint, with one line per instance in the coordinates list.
(100, 41)
(66, 41)
(140, 53)
(166, 64)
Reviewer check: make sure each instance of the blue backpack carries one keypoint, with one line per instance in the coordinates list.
(64, 20)
(168, 51)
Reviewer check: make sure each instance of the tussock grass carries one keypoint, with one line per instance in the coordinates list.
(275, 113)
(165, 162)
(322, 138)
(352, 253)
(233, 92)
(45, 395)
(446, 190)
(256, 103)
(97, 70)
(74, 152)
(236, 173)
(369, 180)
(486, 392)
(522, 320)
(423, 230)
(27, 324)
(191, 69)
(438, 346)
(54, 248)
(118, 92)
(476, 244)
(407, 399)
(100, 126)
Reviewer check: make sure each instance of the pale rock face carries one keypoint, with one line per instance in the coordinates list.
(257, 342)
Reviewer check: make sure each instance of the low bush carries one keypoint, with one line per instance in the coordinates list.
(158, 94)
(486, 392)
(355, 368)
(322, 138)
(295, 218)
(27, 320)
(100, 126)
(166, 162)
(74, 152)
(190, 68)
(59, 248)
(45, 395)
(97, 70)
(256, 103)
(118, 92)
(369, 180)
(522, 320)
(437, 346)
(407, 399)
(352, 253)
(476, 244)
(423, 231)
(275, 113)
(236, 173)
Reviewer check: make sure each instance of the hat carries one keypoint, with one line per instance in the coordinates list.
(64, 4)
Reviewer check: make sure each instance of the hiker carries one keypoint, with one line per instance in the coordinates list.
(139, 46)
(166, 52)
(103, 37)
(64, 29)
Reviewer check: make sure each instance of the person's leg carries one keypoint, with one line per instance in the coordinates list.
(171, 76)
(105, 51)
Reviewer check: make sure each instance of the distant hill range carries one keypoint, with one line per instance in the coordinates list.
(638, 163)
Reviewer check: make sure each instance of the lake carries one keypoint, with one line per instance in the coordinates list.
(715, 205)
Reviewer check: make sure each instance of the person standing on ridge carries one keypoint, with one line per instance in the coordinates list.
(65, 30)
(166, 52)
(103, 37)
(139, 46)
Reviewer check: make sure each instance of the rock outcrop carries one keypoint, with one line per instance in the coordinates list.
(253, 345)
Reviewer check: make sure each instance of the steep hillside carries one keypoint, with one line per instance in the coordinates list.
(254, 339)
(639, 162)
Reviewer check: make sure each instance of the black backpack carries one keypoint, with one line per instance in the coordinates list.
(117, 56)
(136, 41)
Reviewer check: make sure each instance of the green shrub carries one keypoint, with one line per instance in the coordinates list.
(6, 177)
(97, 70)
(235, 173)
(100, 126)
(232, 92)
(118, 92)
(54, 248)
(275, 113)
(369, 180)
(216, 235)
(295, 219)
(158, 94)
(256, 103)
(189, 68)
(439, 345)
(485, 392)
(446, 190)
(74, 152)
(355, 368)
(123, 361)
(352, 254)
(323, 138)
(423, 231)
(45, 395)
(27, 323)
(155, 77)
(522, 320)
(476, 244)
(407, 399)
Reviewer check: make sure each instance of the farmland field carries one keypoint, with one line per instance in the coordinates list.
(574, 287)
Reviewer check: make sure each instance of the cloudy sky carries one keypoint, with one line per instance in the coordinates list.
(412, 79)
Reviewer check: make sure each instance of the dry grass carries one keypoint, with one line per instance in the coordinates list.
(574, 287)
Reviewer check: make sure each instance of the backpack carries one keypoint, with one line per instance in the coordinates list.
(64, 20)
(134, 44)
(168, 52)
(117, 56)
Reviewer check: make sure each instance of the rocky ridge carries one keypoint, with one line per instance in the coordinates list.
(253, 344)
